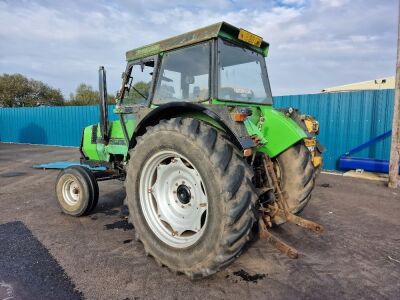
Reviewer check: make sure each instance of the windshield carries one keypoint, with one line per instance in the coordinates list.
(242, 75)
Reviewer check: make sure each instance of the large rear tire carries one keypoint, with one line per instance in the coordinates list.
(296, 174)
(178, 168)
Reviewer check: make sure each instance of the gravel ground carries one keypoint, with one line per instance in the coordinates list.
(45, 254)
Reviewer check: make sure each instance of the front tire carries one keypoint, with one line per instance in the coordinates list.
(77, 191)
(164, 164)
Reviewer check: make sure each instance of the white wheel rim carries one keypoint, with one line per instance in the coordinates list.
(71, 191)
(173, 199)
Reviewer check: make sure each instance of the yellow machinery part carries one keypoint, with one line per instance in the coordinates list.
(316, 159)
(311, 124)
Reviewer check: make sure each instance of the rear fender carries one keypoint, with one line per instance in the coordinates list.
(217, 116)
(277, 131)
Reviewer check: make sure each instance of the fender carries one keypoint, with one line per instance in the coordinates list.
(279, 131)
(216, 115)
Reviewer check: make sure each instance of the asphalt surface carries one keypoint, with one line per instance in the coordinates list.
(45, 254)
(27, 266)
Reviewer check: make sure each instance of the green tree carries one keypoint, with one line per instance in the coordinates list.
(85, 95)
(133, 97)
(17, 90)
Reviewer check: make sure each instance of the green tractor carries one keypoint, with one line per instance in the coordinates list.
(208, 163)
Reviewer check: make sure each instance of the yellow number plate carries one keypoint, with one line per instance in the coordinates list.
(250, 38)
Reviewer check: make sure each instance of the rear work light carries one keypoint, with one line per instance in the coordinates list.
(241, 114)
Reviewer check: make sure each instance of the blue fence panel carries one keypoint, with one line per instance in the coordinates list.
(346, 120)
(48, 125)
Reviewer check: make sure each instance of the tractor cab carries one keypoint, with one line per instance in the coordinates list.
(217, 62)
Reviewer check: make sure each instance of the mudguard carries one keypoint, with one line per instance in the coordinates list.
(276, 131)
(216, 115)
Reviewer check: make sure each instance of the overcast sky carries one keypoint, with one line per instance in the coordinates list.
(313, 43)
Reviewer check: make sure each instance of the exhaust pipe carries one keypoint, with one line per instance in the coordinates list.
(103, 104)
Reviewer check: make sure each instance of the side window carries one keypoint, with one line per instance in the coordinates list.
(139, 84)
(184, 75)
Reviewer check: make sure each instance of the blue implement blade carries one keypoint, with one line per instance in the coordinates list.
(66, 164)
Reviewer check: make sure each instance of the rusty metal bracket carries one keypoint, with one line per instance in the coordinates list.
(277, 242)
(283, 209)
(310, 225)
(279, 210)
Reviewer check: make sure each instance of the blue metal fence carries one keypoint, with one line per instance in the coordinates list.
(60, 125)
(346, 119)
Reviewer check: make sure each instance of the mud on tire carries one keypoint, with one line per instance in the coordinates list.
(230, 194)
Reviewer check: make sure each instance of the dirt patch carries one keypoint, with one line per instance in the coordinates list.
(325, 185)
(123, 224)
(247, 277)
(12, 174)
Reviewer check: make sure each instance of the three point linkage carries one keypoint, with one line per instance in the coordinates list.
(279, 210)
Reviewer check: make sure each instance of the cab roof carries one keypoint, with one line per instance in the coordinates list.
(221, 29)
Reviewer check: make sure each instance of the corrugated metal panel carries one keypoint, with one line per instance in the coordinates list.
(347, 120)
(47, 125)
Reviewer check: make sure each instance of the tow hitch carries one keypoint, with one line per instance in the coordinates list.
(278, 212)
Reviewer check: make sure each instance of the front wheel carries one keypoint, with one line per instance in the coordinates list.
(190, 197)
(77, 191)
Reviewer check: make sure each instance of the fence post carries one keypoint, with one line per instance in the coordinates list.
(395, 146)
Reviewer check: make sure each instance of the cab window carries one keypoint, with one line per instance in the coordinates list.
(139, 84)
(184, 75)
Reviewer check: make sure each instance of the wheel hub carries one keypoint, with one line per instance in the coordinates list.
(183, 193)
(71, 191)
